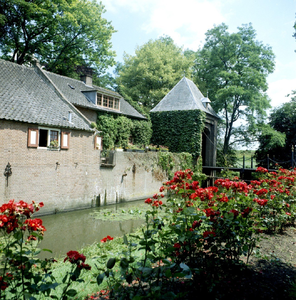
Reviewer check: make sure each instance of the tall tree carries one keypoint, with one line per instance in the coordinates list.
(232, 68)
(152, 72)
(60, 33)
(283, 120)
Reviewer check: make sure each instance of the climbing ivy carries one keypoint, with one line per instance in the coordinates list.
(172, 162)
(181, 131)
(167, 162)
(186, 161)
(116, 130)
(141, 132)
(123, 130)
(107, 125)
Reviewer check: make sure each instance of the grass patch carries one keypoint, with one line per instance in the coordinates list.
(248, 156)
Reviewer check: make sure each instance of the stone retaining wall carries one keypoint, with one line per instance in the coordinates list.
(72, 179)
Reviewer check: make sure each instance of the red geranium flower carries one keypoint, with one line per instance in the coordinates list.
(209, 233)
(234, 212)
(35, 225)
(107, 238)
(246, 212)
(196, 224)
(148, 201)
(177, 246)
(74, 257)
(3, 284)
(261, 202)
(84, 266)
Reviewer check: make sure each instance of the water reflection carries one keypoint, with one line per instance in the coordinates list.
(74, 230)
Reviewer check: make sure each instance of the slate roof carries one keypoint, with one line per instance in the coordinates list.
(184, 96)
(125, 108)
(26, 97)
(73, 90)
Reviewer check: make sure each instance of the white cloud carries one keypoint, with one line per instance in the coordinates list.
(278, 90)
(185, 21)
(282, 82)
(117, 6)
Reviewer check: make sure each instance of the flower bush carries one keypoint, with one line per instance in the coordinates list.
(190, 240)
(204, 231)
(23, 275)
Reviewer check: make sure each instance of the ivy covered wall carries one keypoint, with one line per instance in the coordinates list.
(181, 131)
(116, 130)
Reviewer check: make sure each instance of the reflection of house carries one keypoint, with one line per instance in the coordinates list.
(185, 97)
(46, 136)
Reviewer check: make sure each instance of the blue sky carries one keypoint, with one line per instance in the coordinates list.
(186, 21)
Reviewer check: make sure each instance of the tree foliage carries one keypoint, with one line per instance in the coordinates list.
(152, 72)
(232, 68)
(61, 34)
(283, 121)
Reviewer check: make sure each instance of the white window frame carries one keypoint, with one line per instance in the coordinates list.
(98, 142)
(48, 136)
(65, 140)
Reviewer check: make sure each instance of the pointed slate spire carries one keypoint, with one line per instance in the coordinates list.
(184, 96)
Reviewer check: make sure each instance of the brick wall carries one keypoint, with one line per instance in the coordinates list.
(70, 179)
(91, 115)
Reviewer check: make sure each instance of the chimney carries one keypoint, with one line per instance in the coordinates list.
(87, 79)
(85, 74)
(70, 116)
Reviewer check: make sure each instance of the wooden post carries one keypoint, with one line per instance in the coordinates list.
(267, 161)
(292, 156)
(244, 161)
(251, 162)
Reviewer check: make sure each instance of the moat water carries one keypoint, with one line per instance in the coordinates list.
(77, 229)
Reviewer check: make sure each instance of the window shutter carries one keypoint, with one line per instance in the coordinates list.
(65, 139)
(33, 136)
(98, 142)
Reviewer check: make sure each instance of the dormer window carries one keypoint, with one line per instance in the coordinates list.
(107, 101)
(116, 103)
(100, 99)
(110, 103)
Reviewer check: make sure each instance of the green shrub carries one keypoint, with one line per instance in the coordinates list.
(116, 130)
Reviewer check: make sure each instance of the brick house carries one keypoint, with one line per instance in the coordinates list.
(47, 139)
